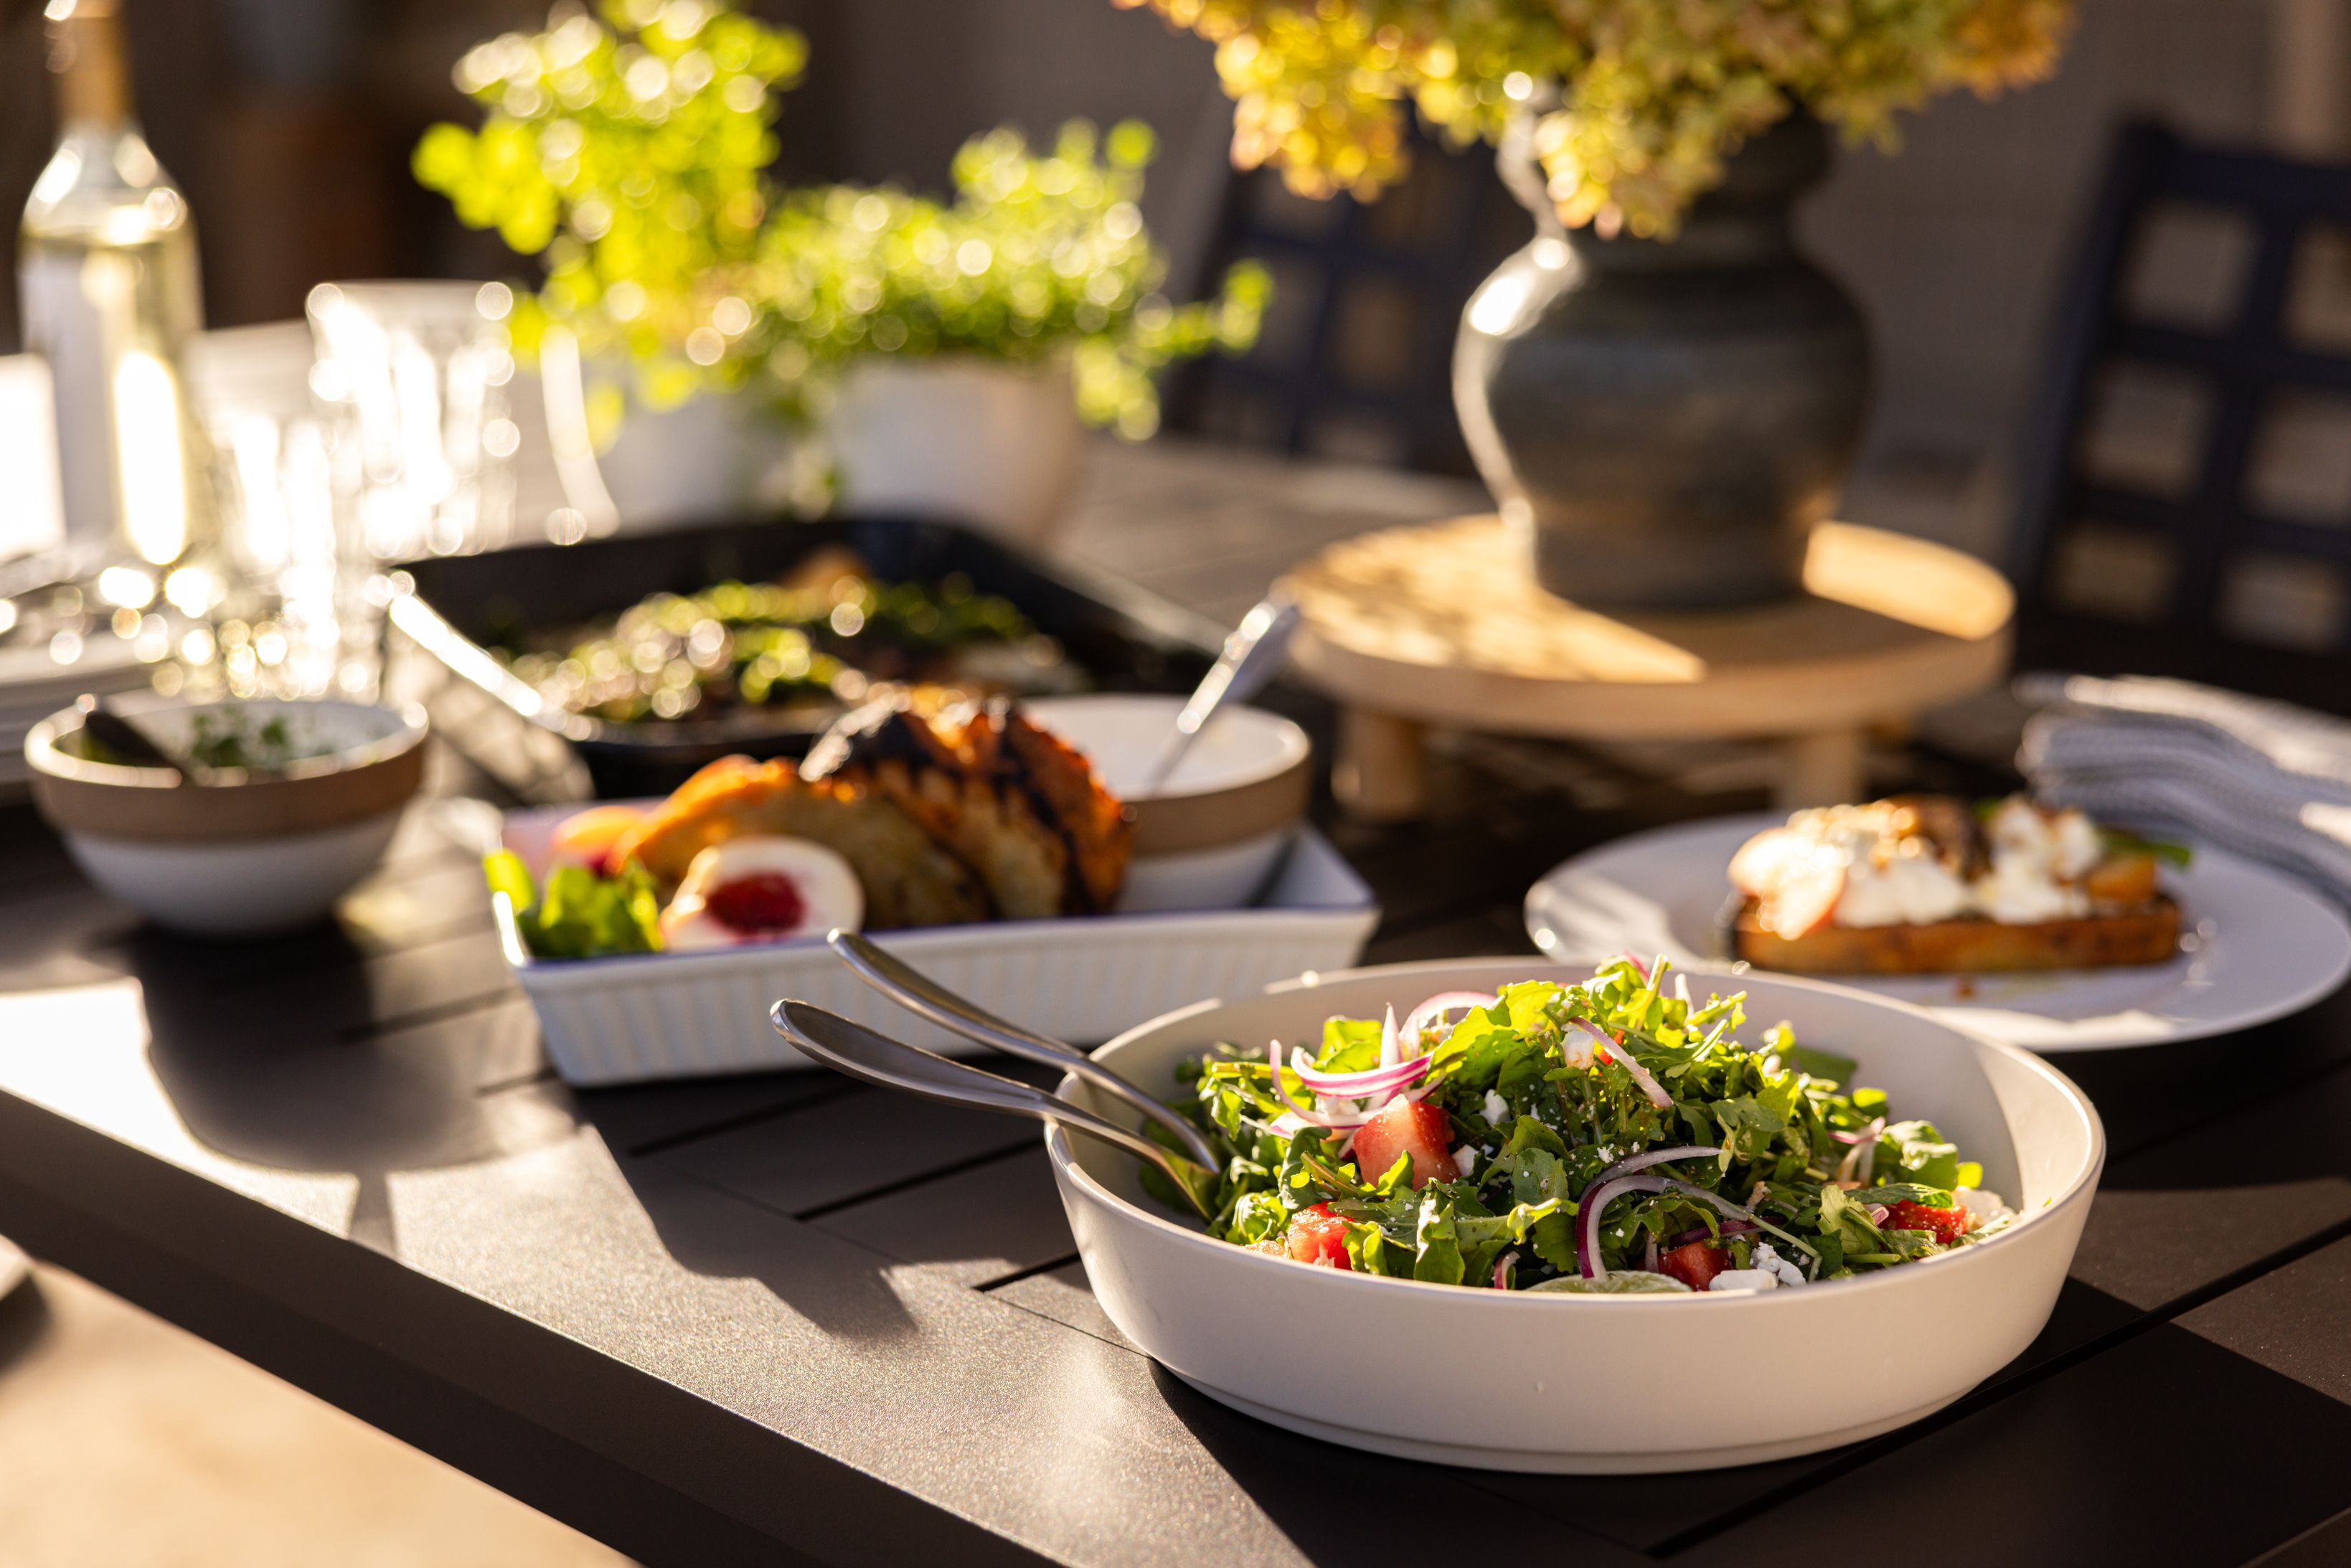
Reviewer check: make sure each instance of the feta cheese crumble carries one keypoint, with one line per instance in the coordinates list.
(1984, 1209)
(1731, 1280)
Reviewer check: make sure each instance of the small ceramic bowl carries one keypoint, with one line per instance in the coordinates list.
(1210, 836)
(245, 854)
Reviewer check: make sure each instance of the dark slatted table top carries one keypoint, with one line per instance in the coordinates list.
(746, 1318)
(785, 1318)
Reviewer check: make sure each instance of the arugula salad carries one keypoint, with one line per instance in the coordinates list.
(1606, 1137)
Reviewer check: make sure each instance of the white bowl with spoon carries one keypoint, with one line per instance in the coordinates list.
(1210, 833)
(229, 849)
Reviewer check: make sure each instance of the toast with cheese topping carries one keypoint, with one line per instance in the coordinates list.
(1923, 885)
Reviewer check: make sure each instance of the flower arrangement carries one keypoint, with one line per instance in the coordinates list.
(630, 146)
(1639, 101)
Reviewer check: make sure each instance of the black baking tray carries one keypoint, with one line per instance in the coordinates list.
(1124, 638)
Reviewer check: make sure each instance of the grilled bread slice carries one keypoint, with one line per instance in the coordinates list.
(2146, 933)
(1014, 802)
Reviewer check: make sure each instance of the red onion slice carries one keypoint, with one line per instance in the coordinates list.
(1648, 1157)
(1334, 1121)
(1595, 1201)
(1434, 1010)
(1722, 1205)
(1728, 1228)
(1623, 1056)
(1311, 1118)
(1355, 1085)
(1864, 1153)
(1314, 1117)
(1502, 1269)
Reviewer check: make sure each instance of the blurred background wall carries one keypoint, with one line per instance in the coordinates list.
(289, 122)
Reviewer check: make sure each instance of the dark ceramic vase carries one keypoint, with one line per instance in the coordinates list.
(1665, 422)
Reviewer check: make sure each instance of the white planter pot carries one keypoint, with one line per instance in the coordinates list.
(986, 444)
(707, 460)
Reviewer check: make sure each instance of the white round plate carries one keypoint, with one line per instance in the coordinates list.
(2258, 945)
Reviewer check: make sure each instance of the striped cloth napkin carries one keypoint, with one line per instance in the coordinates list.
(2266, 779)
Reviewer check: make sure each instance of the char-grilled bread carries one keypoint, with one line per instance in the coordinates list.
(1924, 884)
(1013, 801)
(907, 879)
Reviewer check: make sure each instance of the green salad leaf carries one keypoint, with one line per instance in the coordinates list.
(2123, 843)
(1541, 1102)
(578, 915)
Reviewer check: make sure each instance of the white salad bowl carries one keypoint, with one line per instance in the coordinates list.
(1581, 1383)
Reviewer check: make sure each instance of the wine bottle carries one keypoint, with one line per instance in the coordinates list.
(107, 269)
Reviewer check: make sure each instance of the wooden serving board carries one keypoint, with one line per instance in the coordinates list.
(1443, 623)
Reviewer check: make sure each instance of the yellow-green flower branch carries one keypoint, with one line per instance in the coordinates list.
(1640, 100)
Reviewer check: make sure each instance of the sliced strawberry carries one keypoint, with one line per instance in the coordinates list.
(1947, 1224)
(1697, 1264)
(1794, 879)
(1319, 1235)
(1417, 1128)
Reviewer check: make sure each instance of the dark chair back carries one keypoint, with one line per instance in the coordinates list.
(2209, 541)
(1356, 358)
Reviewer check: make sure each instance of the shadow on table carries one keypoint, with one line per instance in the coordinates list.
(253, 1080)
(841, 1289)
(301, 1094)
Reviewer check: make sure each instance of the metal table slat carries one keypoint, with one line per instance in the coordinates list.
(986, 1222)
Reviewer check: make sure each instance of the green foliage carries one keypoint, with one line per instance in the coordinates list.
(1640, 100)
(578, 915)
(629, 148)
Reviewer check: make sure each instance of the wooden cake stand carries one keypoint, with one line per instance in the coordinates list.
(1442, 624)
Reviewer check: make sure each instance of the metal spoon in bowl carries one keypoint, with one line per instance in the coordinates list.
(876, 1059)
(1252, 655)
(925, 998)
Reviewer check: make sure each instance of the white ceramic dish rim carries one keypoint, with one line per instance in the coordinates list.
(1296, 745)
(1056, 1148)
(407, 731)
(2273, 1004)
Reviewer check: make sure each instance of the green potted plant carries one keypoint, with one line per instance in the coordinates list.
(940, 353)
(1662, 394)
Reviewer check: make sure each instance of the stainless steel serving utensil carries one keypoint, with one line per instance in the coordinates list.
(1252, 655)
(925, 998)
(876, 1059)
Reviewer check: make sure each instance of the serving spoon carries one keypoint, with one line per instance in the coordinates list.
(1252, 655)
(925, 998)
(876, 1059)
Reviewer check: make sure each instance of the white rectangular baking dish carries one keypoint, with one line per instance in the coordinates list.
(674, 1015)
